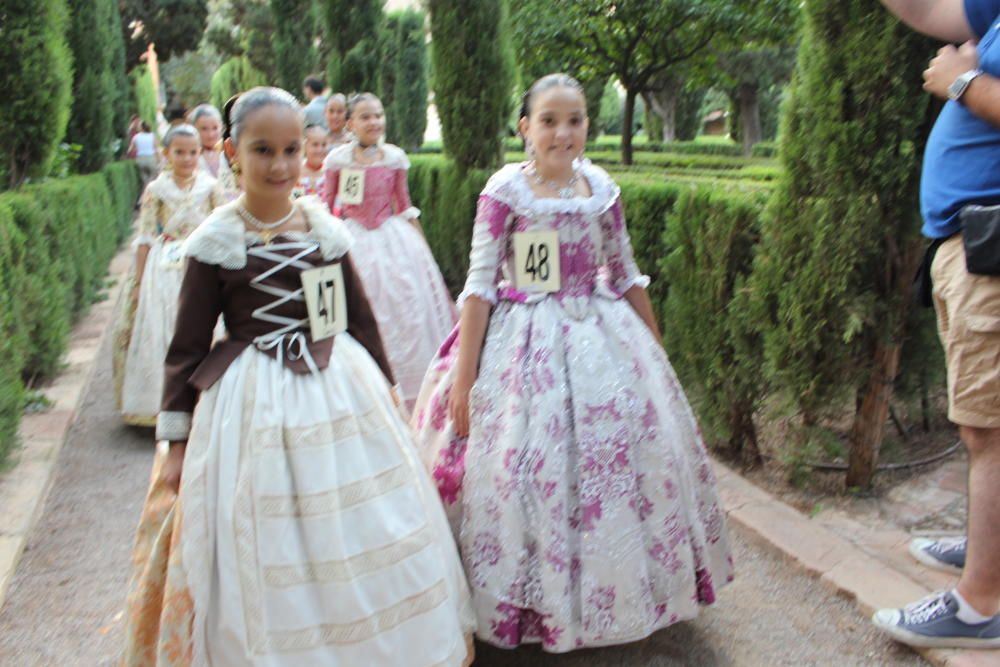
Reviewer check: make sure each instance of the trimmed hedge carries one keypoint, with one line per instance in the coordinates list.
(695, 242)
(56, 239)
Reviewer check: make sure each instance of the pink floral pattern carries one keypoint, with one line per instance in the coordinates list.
(583, 498)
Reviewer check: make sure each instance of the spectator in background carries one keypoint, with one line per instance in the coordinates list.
(143, 149)
(312, 89)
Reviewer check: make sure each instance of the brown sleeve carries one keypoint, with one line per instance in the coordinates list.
(197, 313)
(361, 322)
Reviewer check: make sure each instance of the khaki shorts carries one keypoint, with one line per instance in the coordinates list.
(968, 315)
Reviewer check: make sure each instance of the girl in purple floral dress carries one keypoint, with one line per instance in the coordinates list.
(562, 444)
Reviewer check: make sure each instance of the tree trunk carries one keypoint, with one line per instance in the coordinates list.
(869, 422)
(750, 130)
(630, 95)
(663, 103)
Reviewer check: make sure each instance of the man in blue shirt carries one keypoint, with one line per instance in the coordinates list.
(962, 168)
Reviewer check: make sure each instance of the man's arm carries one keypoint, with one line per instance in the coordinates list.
(982, 97)
(942, 19)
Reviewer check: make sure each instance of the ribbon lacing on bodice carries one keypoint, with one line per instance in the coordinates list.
(290, 337)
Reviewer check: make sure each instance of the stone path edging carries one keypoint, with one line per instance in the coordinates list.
(25, 485)
(840, 564)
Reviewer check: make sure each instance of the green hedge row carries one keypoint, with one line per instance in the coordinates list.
(56, 239)
(696, 242)
(611, 144)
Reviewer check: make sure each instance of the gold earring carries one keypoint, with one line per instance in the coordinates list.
(235, 168)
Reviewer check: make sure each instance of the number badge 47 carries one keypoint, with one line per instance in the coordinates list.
(326, 301)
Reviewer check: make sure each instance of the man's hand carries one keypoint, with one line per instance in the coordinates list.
(948, 65)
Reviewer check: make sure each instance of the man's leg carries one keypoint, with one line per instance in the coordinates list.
(980, 582)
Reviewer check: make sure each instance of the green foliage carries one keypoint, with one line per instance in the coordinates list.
(697, 245)
(352, 35)
(145, 95)
(294, 53)
(234, 76)
(93, 32)
(36, 76)
(711, 238)
(473, 77)
(840, 240)
(245, 28)
(189, 77)
(56, 239)
(687, 123)
(403, 78)
(174, 26)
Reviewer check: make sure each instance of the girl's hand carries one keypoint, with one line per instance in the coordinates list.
(170, 473)
(458, 407)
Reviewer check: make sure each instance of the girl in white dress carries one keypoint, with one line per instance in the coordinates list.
(208, 121)
(172, 207)
(559, 437)
(305, 533)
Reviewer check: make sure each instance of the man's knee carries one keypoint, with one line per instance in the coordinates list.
(981, 441)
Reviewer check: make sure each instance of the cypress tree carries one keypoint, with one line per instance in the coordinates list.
(122, 86)
(403, 78)
(473, 77)
(234, 76)
(91, 38)
(352, 35)
(294, 53)
(840, 243)
(36, 76)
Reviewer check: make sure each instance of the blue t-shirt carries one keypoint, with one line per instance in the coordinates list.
(962, 159)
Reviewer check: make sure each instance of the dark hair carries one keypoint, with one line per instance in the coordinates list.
(548, 82)
(145, 126)
(175, 113)
(238, 107)
(357, 99)
(313, 83)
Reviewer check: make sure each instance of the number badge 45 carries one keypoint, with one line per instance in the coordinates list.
(326, 301)
(536, 259)
(352, 186)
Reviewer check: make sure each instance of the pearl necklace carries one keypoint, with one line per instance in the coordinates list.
(265, 229)
(567, 191)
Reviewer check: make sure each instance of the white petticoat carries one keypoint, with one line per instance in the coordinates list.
(408, 295)
(151, 333)
(311, 534)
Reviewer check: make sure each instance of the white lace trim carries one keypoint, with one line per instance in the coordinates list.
(342, 157)
(165, 187)
(173, 425)
(223, 238)
(483, 292)
(411, 213)
(510, 186)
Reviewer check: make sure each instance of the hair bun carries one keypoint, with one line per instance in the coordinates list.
(227, 111)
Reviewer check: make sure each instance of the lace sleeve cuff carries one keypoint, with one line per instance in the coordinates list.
(173, 426)
(637, 281)
(485, 293)
(411, 213)
(143, 239)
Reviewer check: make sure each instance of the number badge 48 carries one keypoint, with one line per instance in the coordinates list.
(536, 258)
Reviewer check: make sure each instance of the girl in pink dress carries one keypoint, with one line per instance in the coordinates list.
(563, 445)
(366, 186)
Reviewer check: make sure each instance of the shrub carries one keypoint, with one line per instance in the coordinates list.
(36, 75)
(403, 78)
(473, 77)
(56, 239)
(234, 76)
(145, 94)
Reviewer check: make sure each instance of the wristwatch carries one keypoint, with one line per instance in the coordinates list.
(961, 84)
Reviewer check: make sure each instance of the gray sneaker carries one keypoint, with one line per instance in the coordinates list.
(933, 623)
(946, 554)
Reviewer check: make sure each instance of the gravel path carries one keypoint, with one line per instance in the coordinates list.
(64, 605)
